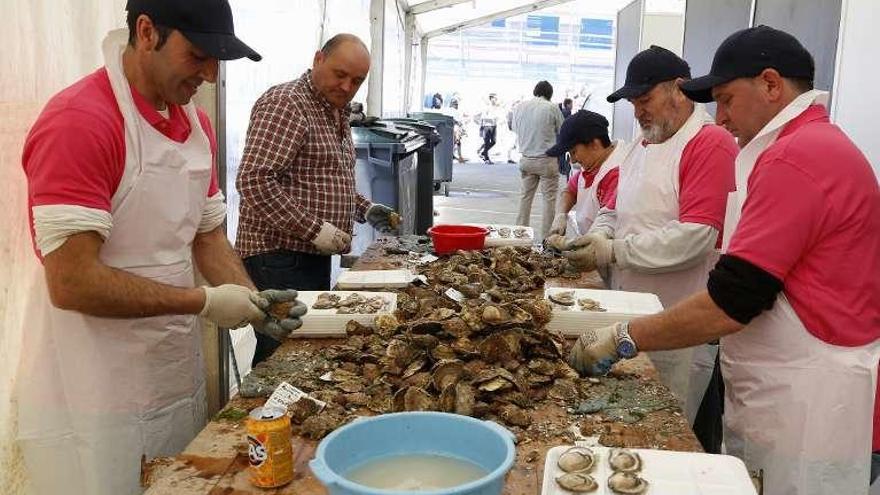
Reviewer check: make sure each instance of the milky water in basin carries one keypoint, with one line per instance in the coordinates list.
(415, 472)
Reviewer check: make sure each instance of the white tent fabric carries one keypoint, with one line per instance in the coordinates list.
(48, 45)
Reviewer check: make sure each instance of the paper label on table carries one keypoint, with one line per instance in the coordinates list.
(455, 295)
(426, 258)
(286, 395)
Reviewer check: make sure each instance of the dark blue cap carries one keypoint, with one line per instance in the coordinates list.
(649, 68)
(207, 24)
(747, 53)
(582, 127)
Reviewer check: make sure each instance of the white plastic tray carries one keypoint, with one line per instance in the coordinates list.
(325, 323)
(667, 473)
(374, 279)
(494, 239)
(619, 305)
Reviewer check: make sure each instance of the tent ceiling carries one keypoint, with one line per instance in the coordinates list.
(454, 12)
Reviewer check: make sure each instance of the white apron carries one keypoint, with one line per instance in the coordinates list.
(95, 395)
(797, 409)
(581, 217)
(647, 199)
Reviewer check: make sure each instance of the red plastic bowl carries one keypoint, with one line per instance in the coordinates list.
(450, 238)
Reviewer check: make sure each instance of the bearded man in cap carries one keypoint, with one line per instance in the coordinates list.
(123, 210)
(662, 233)
(795, 298)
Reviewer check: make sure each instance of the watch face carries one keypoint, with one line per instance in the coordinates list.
(626, 349)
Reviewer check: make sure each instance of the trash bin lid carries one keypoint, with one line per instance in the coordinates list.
(432, 136)
(386, 133)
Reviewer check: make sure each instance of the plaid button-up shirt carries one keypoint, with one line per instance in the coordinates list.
(297, 171)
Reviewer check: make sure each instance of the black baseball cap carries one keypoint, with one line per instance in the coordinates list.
(205, 23)
(582, 127)
(747, 53)
(649, 68)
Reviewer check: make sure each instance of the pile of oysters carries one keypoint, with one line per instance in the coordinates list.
(354, 303)
(578, 462)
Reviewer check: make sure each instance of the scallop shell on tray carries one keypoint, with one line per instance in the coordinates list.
(664, 473)
(576, 310)
(330, 322)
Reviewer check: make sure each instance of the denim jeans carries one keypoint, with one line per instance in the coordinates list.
(284, 269)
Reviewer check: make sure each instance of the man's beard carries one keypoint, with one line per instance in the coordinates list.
(658, 132)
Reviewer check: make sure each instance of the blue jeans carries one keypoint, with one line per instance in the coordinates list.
(284, 269)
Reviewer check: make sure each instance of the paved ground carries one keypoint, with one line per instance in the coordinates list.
(482, 193)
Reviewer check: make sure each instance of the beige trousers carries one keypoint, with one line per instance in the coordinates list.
(534, 171)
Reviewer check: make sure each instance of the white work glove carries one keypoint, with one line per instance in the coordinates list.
(271, 324)
(596, 350)
(383, 219)
(559, 223)
(231, 306)
(590, 252)
(331, 240)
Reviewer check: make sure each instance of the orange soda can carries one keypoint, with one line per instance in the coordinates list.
(269, 450)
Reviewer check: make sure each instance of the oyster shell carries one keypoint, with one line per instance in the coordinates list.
(413, 399)
(446, 373)
(624, 460)
(587, 304)
(326, 300)
(565, 298)
(627, 483)
(577, 459)
(577, 482)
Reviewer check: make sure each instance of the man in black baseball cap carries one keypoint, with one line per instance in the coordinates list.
(207, 24)
(661, 234)
(584, 136)
(794, 298)
(127, 166)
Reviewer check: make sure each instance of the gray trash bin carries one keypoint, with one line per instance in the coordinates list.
(443, 152)
(386, 172)
(425, 158)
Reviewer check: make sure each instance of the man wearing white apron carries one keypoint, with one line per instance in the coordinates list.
(795, 298)
(663, 232)
(125, 205)
(584, 136)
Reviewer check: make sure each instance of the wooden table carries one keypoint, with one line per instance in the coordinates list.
(215, 462)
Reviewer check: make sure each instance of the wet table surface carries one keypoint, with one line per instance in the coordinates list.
(216, 461)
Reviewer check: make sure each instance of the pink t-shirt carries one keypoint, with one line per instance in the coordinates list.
(606, 191)
(75, 152)
(705, 177)
(812, 220)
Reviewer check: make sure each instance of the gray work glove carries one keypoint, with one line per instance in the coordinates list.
(278, 326)
(383, 219)
(595, 351)
(590, 252)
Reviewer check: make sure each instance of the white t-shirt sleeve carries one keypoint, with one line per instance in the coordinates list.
(53, 224)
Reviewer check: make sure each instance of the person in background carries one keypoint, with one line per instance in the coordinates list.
(566, 107)
(662, 232)
(536, 123)
(296, 180)
(584, 136)
(488, 122)
(437, 101)
(564, 163)
(795, 299)
(458, 130)
(125, 206)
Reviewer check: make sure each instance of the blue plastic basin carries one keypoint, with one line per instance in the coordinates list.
(484, 443)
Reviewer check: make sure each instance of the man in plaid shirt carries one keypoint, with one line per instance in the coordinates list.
(296, 180)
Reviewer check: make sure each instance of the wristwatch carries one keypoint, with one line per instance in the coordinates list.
(626, 346)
